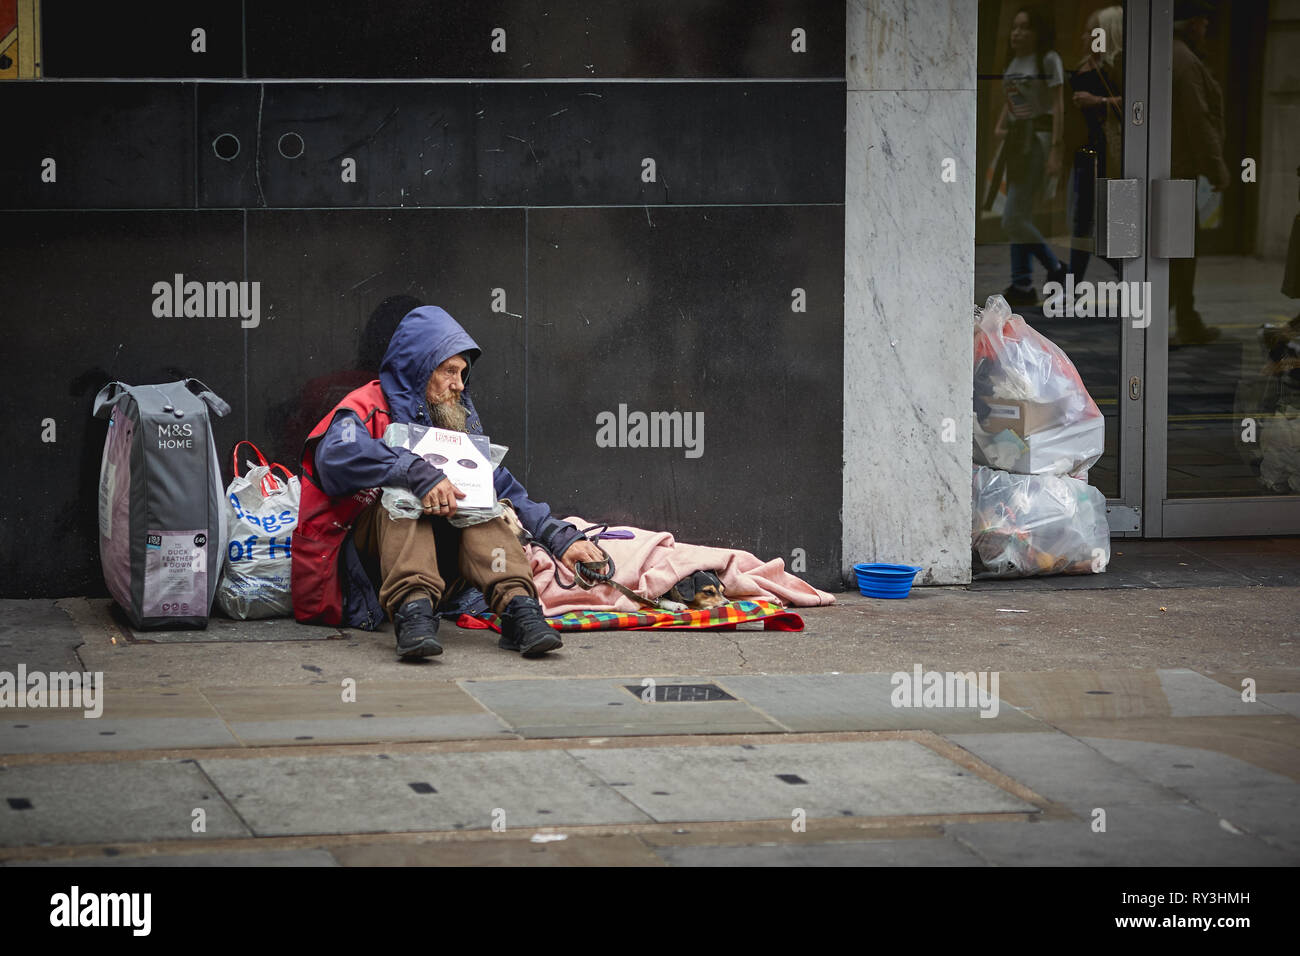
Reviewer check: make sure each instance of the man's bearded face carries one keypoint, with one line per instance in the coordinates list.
(443, 394)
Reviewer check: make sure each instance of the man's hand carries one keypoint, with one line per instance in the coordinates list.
(441, 499)
(580, 550)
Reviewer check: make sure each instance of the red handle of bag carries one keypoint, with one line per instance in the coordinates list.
(234, 454)
(270, 484)
(275, 482)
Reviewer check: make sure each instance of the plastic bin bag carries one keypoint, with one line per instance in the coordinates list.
(402, 503)
(1032, 413)
(1026, 525)
(262, 513)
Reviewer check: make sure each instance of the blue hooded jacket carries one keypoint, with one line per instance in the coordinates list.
(349, 460)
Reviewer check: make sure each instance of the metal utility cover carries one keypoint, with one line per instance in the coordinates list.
(681, 693)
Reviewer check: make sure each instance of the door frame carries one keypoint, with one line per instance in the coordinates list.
(1161, 516)
(1127, 514)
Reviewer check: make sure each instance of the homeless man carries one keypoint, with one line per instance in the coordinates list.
(352, 562)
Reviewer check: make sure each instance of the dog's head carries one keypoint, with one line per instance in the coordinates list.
(701, 590)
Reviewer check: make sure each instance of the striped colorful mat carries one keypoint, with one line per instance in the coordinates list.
(725, 618)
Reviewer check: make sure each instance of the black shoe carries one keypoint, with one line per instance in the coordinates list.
(1058, 274)
(417, 630)
(1016, 295)
(524, 628)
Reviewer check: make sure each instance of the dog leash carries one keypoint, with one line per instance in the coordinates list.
(589, 574)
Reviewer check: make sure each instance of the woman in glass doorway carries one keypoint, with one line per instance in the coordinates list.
(1030, 130)
(1098, 85)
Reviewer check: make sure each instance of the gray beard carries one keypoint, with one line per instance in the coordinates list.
(450, 415)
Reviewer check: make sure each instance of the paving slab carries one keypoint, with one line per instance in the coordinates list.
(71, 735)
(282, 796)
(1271, 743)
(771, 781)
(604, 707)
(38, 634)
(931, 852)
(224, 630)
(343, 730)
(1167, 835)
(353, 711)
(810, 703)
(197, 859)
(1268, 680)
(1065, 770)
(1194, 695)
(1288, 702)
(1269, 811)
(110, 803)
(614, 850)
(1185, 769)
(1090, 694)
(343, 698)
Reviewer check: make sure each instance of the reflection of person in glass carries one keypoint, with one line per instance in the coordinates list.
(1030, 130)
(1098, 85)
(1197, 131)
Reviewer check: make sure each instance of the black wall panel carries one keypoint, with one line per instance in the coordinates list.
(142, 38)
(412, 145)
(542, 144)
(691, 310)
(334, 284)
(550, 144)
(79, 313)
(114, 145)
(577, 38)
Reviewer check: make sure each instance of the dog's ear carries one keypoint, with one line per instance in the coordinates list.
(685, 589)
(704, 579)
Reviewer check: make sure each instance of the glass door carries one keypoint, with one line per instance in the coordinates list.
(1223, 260)
(1059, 208)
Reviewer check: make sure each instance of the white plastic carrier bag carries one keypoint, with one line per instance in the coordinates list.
(263, 511)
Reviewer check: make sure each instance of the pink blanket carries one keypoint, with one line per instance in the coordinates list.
(652, 562)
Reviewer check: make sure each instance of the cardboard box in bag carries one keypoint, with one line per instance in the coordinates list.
(1021, 417)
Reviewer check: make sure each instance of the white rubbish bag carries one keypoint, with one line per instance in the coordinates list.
(1033, 415)
(1026, 525)
(262, 513)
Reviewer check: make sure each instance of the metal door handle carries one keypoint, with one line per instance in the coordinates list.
(1173, 218)
(1119, 218)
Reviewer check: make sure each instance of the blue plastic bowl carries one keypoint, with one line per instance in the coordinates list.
(892, 581)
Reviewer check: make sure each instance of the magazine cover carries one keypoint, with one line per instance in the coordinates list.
(464, 459)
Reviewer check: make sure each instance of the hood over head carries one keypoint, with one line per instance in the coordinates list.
(424, 339)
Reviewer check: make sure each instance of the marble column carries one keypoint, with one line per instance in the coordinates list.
(909, 275)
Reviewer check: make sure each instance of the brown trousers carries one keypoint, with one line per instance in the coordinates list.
(429, 556)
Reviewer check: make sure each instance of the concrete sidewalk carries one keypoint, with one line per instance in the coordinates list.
(300, 745)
